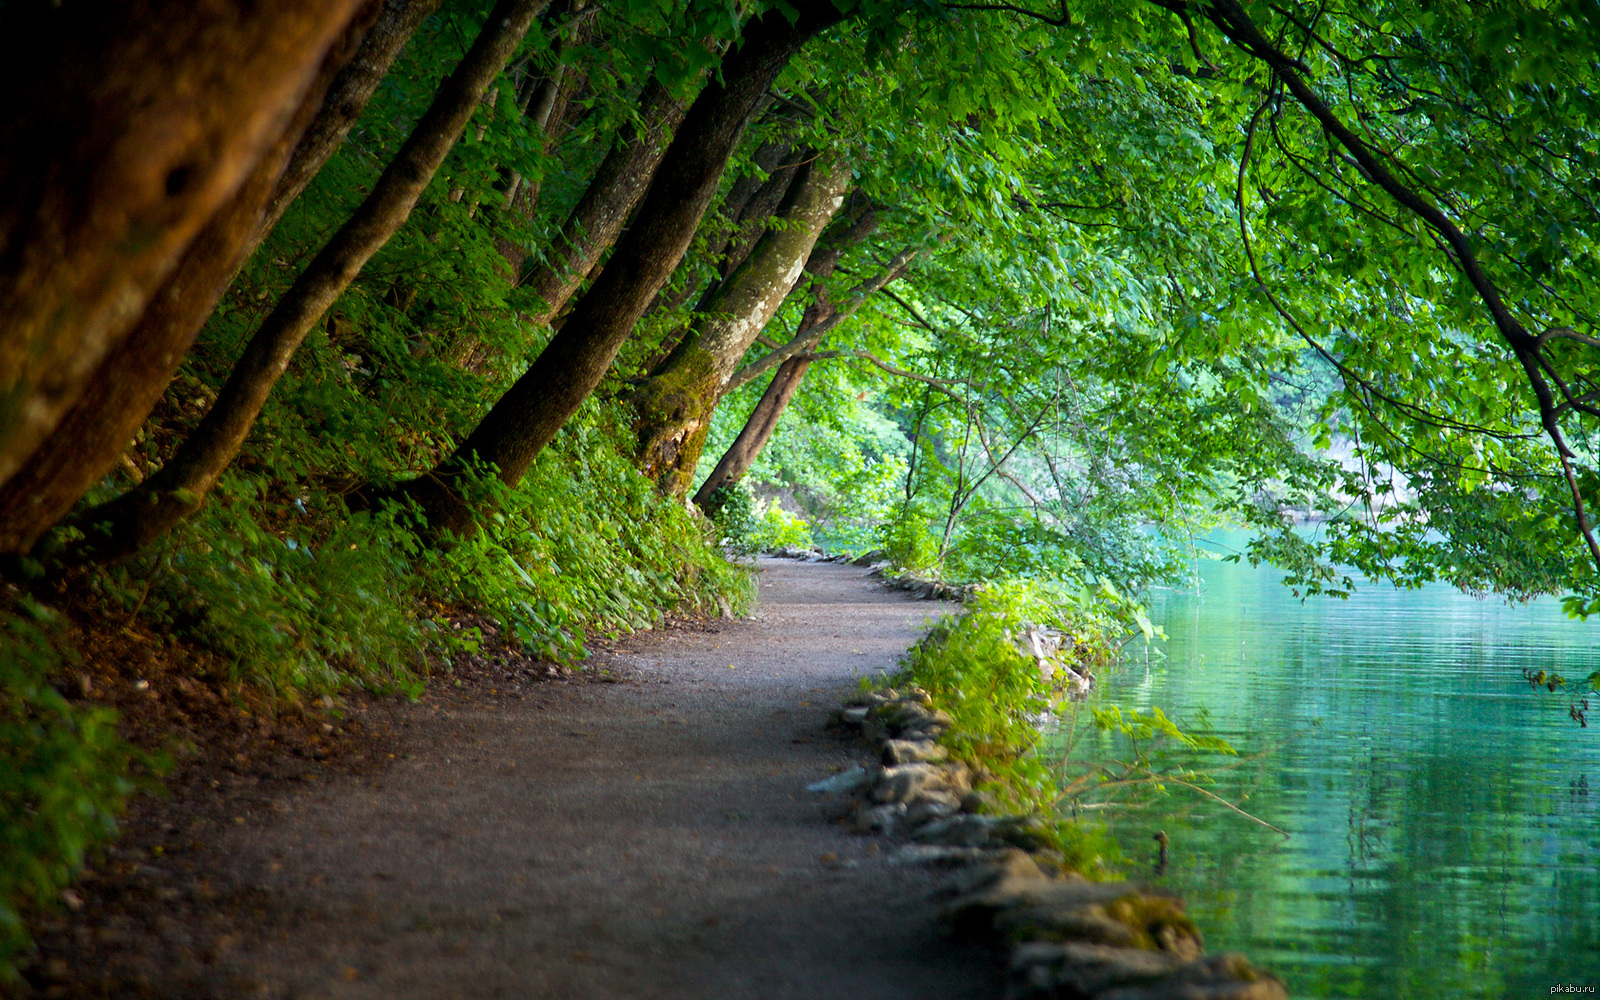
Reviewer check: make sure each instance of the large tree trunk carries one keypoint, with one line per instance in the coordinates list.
(673, 406)
(128, 383)
(528, 416)
(596, 220)
(124, 128)
(150, 510)
(738, 211)
(860, 223)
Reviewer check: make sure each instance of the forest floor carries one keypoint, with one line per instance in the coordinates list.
(638, 830)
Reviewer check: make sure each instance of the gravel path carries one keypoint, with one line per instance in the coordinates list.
(648, 838)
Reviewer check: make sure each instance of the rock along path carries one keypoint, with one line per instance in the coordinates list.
(644, 839)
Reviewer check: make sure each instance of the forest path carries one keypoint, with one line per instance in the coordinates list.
(643, 839)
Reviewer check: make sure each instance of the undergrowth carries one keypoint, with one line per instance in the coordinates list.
(66, 778)
(303, 597)
(1002, 704)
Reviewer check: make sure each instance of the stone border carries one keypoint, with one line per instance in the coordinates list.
(1060, 935)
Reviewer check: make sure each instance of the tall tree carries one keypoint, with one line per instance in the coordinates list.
(763, 419)
(534, 409)
(129, 381)
(615, 189)
(124, 129)
(673, 406)
(148, 511)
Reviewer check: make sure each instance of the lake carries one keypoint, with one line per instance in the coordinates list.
(1443, 817)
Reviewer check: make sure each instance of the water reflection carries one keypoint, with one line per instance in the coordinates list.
(1444, 818)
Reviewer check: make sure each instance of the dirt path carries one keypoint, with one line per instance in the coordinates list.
(650, 838)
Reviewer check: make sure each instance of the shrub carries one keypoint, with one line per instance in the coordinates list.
(908, 539)
(65, 780)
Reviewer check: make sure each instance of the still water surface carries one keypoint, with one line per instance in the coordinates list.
(1444, 819)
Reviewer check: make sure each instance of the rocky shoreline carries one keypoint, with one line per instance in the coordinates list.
(1059, 935)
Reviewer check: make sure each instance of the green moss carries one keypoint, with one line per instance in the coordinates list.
(672, 416)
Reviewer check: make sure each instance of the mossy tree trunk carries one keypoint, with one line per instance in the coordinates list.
(148, 511)
(123, 129)
(128, 383)
(673, 406)
(535, 408)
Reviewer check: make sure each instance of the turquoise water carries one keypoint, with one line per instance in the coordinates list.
(1443, 818)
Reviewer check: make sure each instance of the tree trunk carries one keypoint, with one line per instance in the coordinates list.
(596, 220)
(673, 406)
(148, 511)
(757, 431)
(347, 98)
(733, 213)
(124, 128)
(528, 416)
(128, 383)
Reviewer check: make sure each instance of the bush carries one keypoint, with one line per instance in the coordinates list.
(1001, 703)
(585, 542)
(908, 539)
(65, 780)
(776, 528)
(733, 511)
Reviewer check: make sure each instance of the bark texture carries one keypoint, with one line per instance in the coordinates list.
(128, 383)
(673, 406)
(861, 222)
(596, 220)
(148, 511)
(124, 128)
(535, 408)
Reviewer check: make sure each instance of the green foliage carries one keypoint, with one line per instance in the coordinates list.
(304, 607)
(1006, 711)
(733, 510)
(584, 543)
(973, 668)
(776, 528)
(66, 776)
(908, 539)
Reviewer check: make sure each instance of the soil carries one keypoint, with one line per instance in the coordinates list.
(636, 829)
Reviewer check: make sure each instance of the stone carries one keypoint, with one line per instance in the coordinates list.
(869, 699)
(1026, 832)
(1099, 913)
(977, 802)
(851, 716)
(880, 819)
(871, 557)
(1024, 904)
(964, 830)
(1074, 969)
(907, 781)
(1215, 977)
(845, 781)
(912, 752)
(1010, 866)
(929, 806)
(1064, 922)
(936, 854)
